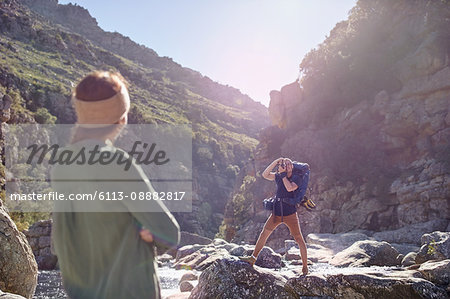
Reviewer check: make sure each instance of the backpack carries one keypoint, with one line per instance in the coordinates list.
(302, 170)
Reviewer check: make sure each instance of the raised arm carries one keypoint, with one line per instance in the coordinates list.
(268, 174)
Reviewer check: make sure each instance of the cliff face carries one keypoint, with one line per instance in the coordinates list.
(370, 114)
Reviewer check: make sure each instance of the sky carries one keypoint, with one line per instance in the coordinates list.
(253, 45)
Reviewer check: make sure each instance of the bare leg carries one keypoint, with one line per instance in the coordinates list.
(301, 243)
(268, 228)
(294, 227)
(271, 223)
(262, 239)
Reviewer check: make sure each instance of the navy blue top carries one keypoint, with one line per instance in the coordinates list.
(282, 193)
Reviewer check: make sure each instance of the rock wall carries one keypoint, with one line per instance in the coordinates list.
(39, 238)
(380, 159)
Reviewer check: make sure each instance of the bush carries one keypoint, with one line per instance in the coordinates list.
(42, 116)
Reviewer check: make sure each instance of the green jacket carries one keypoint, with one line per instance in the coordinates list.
(101, 254)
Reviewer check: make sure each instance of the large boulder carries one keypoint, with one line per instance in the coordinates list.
(236, 279)
(267, 258)
(436, 272)
(435, 246)
(411, 233)
(409, 259)
(200, 259)
(365, 284)
(336, 242)
(367, 253)
(18, 268)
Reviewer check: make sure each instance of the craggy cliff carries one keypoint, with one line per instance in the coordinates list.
(370, 114)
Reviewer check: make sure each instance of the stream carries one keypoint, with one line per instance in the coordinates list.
(50, 284)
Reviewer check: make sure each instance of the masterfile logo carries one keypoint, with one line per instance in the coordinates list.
(48, 171)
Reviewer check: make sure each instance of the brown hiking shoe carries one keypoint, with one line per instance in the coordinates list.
(248, 259)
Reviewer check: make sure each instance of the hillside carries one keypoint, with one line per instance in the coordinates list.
(370, 114)
(47, 47)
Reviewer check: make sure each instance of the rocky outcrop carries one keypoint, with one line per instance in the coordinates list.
(373, 123)
(18, 268)
(234, 279)
(199, 257)
(435, 246)
(367, 253)
(5, 111)
(78, 19)
(436, 272)
(39, 238)
(411, 234)
(366, 284)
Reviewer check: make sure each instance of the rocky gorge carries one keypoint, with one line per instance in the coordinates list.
(369, 113)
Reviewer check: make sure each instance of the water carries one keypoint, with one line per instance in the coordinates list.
(50, 283)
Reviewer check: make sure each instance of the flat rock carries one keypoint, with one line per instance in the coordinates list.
(365, 284)
(235, 279)
(366, 253)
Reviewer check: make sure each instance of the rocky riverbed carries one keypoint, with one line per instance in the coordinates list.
(350, 265)
(50, 283)
(410, 262)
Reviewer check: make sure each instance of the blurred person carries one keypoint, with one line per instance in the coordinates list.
(108, 254)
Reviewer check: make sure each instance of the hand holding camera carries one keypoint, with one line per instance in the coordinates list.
(281, 166)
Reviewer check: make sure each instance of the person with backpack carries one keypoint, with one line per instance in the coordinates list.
(291, 179)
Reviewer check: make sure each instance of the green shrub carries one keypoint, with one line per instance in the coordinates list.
(42, 116)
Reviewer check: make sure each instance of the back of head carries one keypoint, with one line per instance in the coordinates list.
(99, 85)
(101, 101)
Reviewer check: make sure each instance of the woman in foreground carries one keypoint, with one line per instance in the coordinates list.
(108, 250)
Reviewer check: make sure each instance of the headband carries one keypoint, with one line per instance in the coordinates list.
(102, 113)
